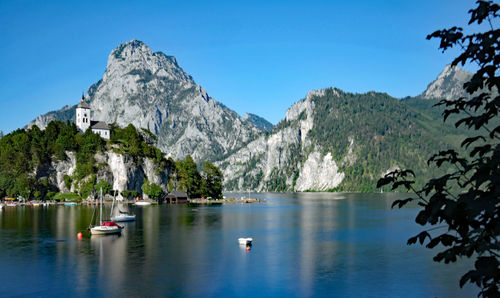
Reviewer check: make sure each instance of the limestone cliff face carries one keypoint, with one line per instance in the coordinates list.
(150, 90)
(61, 168)
(121, 171)
(284, 160)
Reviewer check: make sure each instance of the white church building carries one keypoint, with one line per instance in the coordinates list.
(83, 121)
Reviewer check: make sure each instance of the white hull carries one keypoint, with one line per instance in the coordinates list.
(245, 241)
(121, 218)
(105, 230)
(142, 203)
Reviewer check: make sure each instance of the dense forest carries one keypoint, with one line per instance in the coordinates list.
(26, 156)
(387, 132)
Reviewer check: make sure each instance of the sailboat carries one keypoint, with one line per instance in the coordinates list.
(121, 212)
(105, 227)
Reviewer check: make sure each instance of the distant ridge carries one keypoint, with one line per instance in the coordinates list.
(258, 121)
(336, 140)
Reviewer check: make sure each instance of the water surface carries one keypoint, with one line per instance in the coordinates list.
(305, 245)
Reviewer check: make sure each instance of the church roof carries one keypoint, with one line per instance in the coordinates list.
(83, 104)
(98, 125)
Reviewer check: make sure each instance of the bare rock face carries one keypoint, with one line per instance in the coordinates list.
(61, 168)
(319, 173)
(449, 84)
(130, 175)
(286, 159)
(150, 90)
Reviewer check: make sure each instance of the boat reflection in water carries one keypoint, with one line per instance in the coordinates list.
(307, 244)
(120, 212)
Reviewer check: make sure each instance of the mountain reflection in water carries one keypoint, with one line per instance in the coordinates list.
(307, 244)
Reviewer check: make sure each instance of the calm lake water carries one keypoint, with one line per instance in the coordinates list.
(308, 244)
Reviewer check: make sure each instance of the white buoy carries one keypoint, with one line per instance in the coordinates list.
(245, 241)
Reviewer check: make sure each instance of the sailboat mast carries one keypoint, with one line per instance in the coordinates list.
(100, 211)
(112, 205)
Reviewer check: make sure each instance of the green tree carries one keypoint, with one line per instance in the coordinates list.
(153, 190)
(106, 187)
(211, 181)
(188, 177)
(87, 188)
(462, 206)
(23, 186)
(67, 181)
(130, 194)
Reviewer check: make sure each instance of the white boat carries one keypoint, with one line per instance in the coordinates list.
(245, 241)
(123, 217)
(142, 203)
(120, 213)
(105, 227)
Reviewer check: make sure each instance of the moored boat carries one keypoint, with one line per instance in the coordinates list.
(142, 203)
(10, 202)
(120, 213)
(105, 227)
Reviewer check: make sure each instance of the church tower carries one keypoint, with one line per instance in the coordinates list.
(83, 115)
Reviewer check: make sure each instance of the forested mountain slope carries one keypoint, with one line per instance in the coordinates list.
(336, 140)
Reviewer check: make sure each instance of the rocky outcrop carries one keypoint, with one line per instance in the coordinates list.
(128, 174)
(319, 173)
(61, 168)
(150, 90)
(121, 171)
(286, 159)
(448, 85)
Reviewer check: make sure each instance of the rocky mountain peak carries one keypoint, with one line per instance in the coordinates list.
(449, 84)
(305, 105)
(150, 90)
(135, 58)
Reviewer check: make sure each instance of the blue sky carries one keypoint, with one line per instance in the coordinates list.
(253, 56)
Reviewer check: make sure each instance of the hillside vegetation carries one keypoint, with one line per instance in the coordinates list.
(27, 158)
(388, 132)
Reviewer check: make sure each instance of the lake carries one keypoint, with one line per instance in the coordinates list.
(305, 245)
